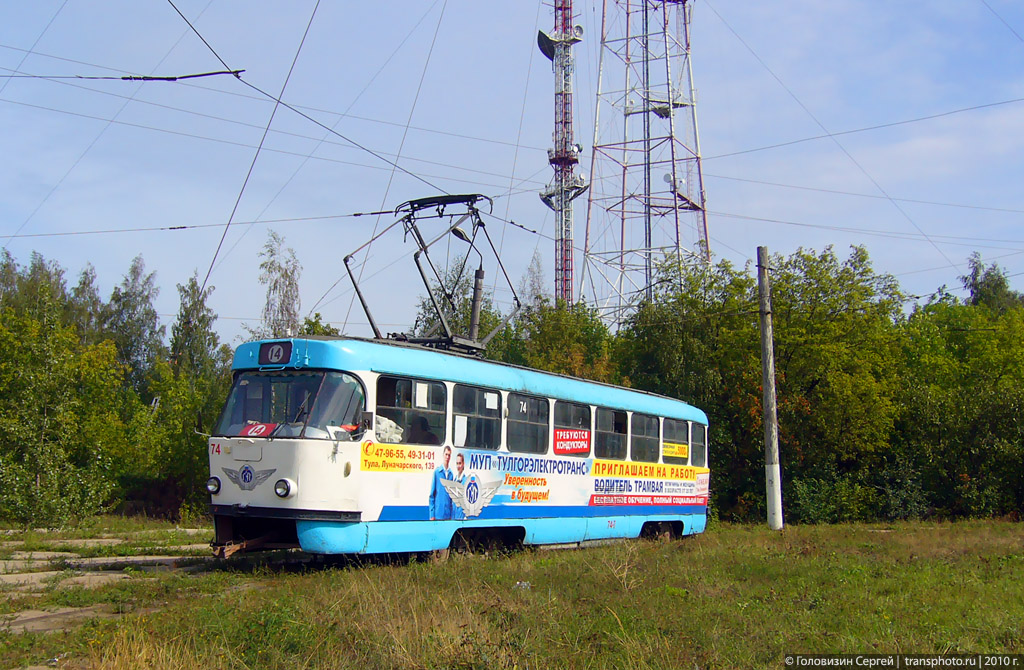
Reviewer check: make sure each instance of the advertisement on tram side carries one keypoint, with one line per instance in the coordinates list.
(462, 483)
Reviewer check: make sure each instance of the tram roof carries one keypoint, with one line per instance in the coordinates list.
(398, 358)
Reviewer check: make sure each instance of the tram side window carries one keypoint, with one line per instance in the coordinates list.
(476, 414)
(572, 429)
(644, 439)
(610, 435)
(676, 449)
(699, 446)
(411, 411)
(527, 424)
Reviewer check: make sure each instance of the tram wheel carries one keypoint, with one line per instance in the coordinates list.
(661, 530)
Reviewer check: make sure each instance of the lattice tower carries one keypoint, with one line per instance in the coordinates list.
(647, 201)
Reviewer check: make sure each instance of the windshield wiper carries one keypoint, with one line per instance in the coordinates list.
(299, 413)
(302, 410)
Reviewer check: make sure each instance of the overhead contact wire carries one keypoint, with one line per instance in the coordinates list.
(323, 139)
(833, 138)
(263, 139)
(96, 139)
(391, 177)
(203, 39)
(20, 63)
(1004, 22)
(31, 49)
(127, 77)
(865, 129)
(519, 136)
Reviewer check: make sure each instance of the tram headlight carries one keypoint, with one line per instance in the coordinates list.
(213, 485)
(284, 488)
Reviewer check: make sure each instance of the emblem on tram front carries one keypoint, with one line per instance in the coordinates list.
(248, 479)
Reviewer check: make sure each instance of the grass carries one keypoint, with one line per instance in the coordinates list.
(95, 527)
(119, 536)
(739, 596)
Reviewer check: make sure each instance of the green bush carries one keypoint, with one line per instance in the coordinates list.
(53, 494)
(833, 501)
(902, 496)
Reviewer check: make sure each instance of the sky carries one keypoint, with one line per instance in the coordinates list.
(457, 94)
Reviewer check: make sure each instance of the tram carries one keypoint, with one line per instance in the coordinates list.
(354, 446)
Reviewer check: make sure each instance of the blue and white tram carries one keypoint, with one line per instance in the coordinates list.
(343, 445)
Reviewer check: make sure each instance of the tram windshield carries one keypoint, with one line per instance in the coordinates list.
(311, 404)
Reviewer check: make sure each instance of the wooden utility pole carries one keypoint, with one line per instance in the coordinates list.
(772, 474)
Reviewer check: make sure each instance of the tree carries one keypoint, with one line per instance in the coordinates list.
(189, 387)
(697, 340)
(567, 339)
(959, 433)
(21, 290)
(836, 344)
(33, 290)
(315, 325)
(836, 340)
(8, 276)
(835, 326)
(458, 284)
(279, 272)
(60, 436)
(533, 285)
(131, 321)
(699, 329)
(989, 286)
(194, 343)
(86, 308)
(180, 467)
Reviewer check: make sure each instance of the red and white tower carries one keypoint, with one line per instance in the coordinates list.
(567, 185)
(646, 203)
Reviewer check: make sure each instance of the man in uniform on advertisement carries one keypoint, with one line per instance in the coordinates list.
(440, 503)
(460, 477)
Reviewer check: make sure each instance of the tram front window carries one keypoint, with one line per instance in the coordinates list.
(319, 405)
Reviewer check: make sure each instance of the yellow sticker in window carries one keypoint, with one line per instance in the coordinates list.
(676, 450)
